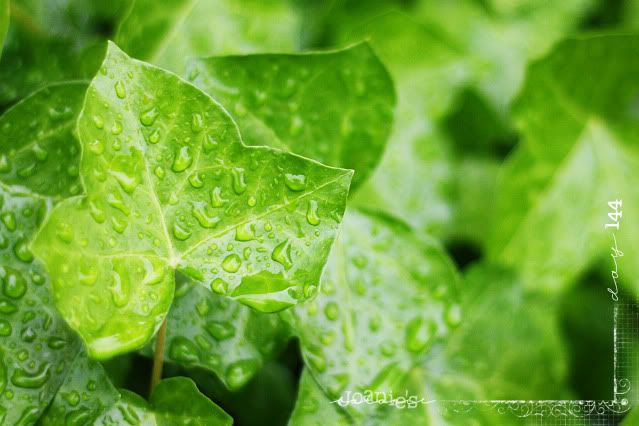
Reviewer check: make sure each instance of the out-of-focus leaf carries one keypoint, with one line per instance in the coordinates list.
(37, 348)
(334, 107)
(208, 330)
(170, 186)
(181, 28)
(39, 151)
(482, 360)
(83, 397)
(4, 22)
(579, 151)
(386, 298)
(174, 402)
(52, 41)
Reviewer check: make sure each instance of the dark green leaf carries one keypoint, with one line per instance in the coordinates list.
(171, 187)
(335, 107)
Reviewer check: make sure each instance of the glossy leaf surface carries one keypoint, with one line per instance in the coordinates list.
(170, 186)
(335, 107)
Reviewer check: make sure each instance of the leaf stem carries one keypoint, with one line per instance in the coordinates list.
(158, 357)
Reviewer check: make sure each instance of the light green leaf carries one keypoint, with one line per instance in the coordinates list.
(37, 348)
(170, 186)
(175, 401)
(481, 360)
(42, 155)
(167, 35)
(579, 151)
(313, 407)
(84, 396)
(211, 331)
(4, 22)
(386, 298)
(334, 107)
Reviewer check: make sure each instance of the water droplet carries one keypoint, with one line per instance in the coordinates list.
(315, 358)
(120, 90)
(96, 213)
(231, 263)
(5, 166)
(180, 232)
(419, 333)
(5, 330)
(118, 225)
(252, 201)
(116, 129)
(216, 197)
(197, 123)
(98, 121)
(9, 220)
(56, 342)
(36, 379)
(196, 180)
(239, 184)
(148, 117)
(331, 310)
(40, 153)
(183, 350)
(295, 182)
(183, 159)
(311, 213)
(21, 250)
(128, 182)
(453, 315)
(238, 373)
(73, 398)
(88, 274)
(209, 143)
(282, 254)
(296, 126)
(96, 147)
(203, 216)
(240, 110)
(154, 137)
(219, 286)
(119, 288)
(220, 330)
(14, 284)
(159, 172)
(245, 232)
(388, 348)
(28, 335)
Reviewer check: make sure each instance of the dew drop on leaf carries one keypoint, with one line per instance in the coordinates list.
(231, 263)
(295, 182)
(183, 159)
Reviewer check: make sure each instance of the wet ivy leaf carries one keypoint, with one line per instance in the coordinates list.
(83, 397)
(211, 331)
(335, 107)
(167, 35)
(170, 186)
(4, 22)
(175, 401)
(479, 361)
(39, 151)
(578, 152)
(37, 348)
(386, 298)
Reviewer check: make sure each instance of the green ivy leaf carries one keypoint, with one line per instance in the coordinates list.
(335, 107)
(175, 401)
(37, 347)
(386, 298)
(211, 331)
(4, 22)
(479, 361)
(84, 396)
(170, 186)
(42, 155)
(578, 151)
(181, 28)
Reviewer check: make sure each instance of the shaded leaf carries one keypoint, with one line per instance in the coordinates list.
(335, 107)
(175, 401)
(211, 331)
(386, 298)
(170, 186)
(181, 28)
(4, 21)
(578, 152)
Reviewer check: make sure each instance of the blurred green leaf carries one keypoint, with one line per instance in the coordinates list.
(481, 360)
(578, 152)
(334, 107)
(386, 298)
(4, 22)
(170, 187)
(167, 35)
